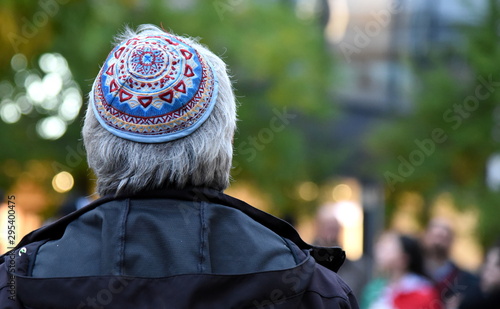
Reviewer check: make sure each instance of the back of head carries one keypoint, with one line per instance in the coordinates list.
(161, 114)
(413, 252)
(397, 254)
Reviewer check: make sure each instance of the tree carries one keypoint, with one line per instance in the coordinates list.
(445, 143)
(280, 65)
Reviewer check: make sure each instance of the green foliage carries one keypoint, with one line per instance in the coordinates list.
(459, 98)
(279, 64)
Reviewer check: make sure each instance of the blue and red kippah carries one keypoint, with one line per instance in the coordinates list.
(154, 89)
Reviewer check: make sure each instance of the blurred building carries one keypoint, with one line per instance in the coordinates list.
(374, 42)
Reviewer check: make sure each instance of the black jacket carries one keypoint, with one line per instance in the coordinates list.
(193, 248)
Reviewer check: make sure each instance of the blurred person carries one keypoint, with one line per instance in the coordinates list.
(402, 283)
(489, 296)
(158, 133)
(452, 282)
(328, 231)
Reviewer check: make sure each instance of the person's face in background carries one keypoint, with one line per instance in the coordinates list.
(327, 228)
(490, 273)
(389, 255)
(438, 238)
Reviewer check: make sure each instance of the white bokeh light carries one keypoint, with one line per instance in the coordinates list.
(24, 104)
(54, 63)
(36, 92)
(52, 84)
(20, 78)
(48, 63)
(6, 89)
(48, 91)
(18, 62)
(10, 112)
(348, 213)
(71, 105)
(30, 79)
(51, 127)
(50, 104)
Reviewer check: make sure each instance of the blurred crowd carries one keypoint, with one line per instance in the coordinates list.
(415, 272)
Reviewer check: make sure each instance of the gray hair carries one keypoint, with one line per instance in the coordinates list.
(202, 158)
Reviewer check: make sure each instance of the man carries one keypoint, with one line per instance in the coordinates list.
(158, 134)
(328, 232)
(452, 282)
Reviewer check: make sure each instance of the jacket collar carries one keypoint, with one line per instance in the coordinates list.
(330, 257)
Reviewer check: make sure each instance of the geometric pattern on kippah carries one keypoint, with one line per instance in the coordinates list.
(154, 89)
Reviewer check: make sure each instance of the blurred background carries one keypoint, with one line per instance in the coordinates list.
(386, 110)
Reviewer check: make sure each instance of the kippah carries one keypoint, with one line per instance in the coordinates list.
(154, 89)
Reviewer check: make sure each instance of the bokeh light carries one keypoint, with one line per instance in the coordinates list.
(10, 112)
(24, 103)
(308, 191)
(341, 192)
(71, 105)
(6, 89)
(19, 62)
(63, 182)
(51, 127)
(52, 84)
(50, 92)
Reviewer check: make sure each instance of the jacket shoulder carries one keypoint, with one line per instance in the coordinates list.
(308, 285)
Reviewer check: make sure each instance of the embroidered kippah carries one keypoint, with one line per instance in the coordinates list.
(154, 89)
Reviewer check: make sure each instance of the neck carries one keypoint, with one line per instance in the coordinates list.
(396, 275)
(434, 263)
